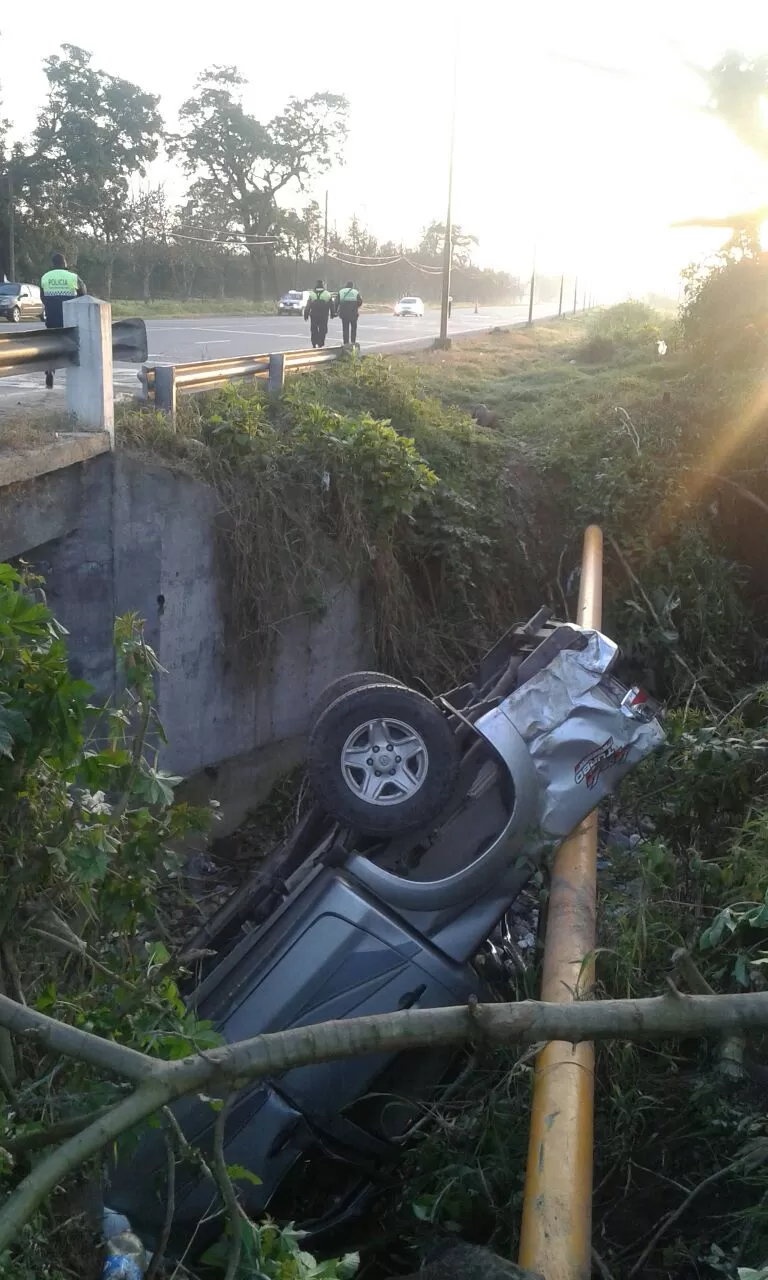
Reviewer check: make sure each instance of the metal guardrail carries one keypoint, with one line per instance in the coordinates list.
(556, 1229)
(37, 349)
(162, 383)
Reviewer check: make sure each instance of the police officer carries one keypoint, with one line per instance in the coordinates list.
(319, 307)
(56, 287)
(350, 302)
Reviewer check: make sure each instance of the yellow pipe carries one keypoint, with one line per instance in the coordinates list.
(556, 1229)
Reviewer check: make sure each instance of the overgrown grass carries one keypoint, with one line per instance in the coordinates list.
(26, 428)
(170, 308)
(162, 308)
(375, 468)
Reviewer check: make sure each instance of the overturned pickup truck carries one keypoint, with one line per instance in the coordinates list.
(429, 818)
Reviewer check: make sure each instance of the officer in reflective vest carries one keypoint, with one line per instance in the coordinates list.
(350, 302)
(319, 307)
(56, 286)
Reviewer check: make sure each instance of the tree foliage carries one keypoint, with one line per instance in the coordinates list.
(239, 165)
(95, 133)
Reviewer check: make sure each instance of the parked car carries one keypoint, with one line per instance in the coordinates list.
(293, 302)
(409, 307)
(392, 892)
(21, 302)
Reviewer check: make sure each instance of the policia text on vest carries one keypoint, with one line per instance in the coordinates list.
(56, 287)
(349, 304)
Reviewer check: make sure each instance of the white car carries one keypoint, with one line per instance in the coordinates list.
(293, 302)
(409, 307)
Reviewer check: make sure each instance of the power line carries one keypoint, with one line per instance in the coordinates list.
(180, 235)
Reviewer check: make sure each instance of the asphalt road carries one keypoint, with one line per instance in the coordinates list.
(175, 341)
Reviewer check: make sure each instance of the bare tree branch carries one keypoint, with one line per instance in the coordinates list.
(235, 1214)
(115, 1059)
(527, 1023)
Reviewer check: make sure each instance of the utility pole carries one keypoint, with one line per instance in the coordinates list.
(448, 244)
(325, 242)
(560, 304)
(11, 224)
(584, 300)
(575, 294)
(533, 285)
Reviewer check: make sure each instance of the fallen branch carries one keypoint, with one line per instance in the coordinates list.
(731, 1059)
(48, 1033)
(39, 1139)
(527, 1023)
(235, 1215)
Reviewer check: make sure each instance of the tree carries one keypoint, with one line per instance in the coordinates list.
(301, 233)
(738, 88)
(239, 162)
(433, 239)
(94, 135)
(148, 224)
(6, 197)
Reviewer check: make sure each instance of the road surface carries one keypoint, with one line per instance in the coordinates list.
(193, 338)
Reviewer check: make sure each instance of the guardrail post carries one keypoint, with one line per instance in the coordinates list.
(90, 396)
(165, 389)
(276, 375)
(556, 1228)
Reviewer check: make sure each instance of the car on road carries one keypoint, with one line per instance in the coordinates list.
(409, 307)
(293, 302)
(21, 302)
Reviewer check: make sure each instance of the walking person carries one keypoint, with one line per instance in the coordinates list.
(350, 302)
(56, 287)
(318, 310)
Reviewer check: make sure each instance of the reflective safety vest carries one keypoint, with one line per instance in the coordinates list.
(348, 295)
(320, 295)
(59, 283)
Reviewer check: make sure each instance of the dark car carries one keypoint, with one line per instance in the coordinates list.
(21, 302)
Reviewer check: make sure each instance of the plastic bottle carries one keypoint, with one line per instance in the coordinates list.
(126, 1256)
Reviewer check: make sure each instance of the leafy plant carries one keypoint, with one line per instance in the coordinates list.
(274, 1253)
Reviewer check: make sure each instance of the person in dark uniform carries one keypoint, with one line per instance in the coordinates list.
(318, 310)
(56, 287)
(350, 302)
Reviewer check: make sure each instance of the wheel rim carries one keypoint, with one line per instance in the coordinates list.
(384, 762)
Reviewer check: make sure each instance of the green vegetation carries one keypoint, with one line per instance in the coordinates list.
(91, 850)
(162, 308)
(457, 527)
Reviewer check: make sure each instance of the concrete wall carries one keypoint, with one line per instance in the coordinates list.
(121, 534)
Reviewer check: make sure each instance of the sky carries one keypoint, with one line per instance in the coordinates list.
(581, 128)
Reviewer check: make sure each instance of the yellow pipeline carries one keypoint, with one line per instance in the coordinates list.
(556, 1230)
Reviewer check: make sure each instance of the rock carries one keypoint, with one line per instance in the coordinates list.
(452, 1261)
(484, 416)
